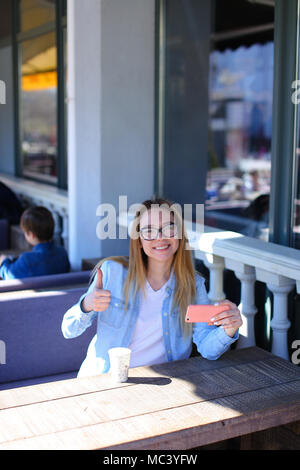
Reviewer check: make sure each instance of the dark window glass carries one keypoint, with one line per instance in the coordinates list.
(5, 19)
(296, 210)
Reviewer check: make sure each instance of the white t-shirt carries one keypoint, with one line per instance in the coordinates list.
(147, 344)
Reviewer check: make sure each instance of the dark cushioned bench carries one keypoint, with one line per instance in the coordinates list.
(30, 330)
(41, 282)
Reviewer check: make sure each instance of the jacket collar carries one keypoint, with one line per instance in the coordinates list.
(43, 246)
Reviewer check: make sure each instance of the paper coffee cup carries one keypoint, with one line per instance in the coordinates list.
(119, 363)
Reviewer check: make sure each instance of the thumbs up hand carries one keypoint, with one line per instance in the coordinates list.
(99, 282)
(98, 299)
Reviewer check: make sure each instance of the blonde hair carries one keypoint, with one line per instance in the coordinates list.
(182, 265)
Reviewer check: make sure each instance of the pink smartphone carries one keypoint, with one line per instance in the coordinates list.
(203, 313)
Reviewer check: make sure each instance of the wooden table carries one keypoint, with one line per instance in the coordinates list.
(179, 405)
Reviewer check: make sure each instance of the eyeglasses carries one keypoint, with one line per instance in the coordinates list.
(151, 233)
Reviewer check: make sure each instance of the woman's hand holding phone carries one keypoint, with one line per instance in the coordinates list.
(98, 299)
(225, 314)
(230, 320)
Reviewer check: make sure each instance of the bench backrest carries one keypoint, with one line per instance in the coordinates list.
(30, 330)
(41, 282)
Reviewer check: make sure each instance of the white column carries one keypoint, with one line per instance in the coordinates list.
(247, 306)
(215, 264)
(280, 322)
(84, 127)
(280, 286)
(246, 274)
(110, 115)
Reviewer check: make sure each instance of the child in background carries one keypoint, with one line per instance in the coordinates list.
(45, 258)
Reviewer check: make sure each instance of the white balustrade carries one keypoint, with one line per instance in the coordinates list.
(280, 322)
(251, 259)
(215, 264)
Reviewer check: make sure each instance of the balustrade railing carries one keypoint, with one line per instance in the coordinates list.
(251, 260)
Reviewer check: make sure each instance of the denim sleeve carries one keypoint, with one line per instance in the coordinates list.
(15, 269)
(75, 320)
(211, 341)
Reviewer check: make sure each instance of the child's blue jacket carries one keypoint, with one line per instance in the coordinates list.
(45, 258)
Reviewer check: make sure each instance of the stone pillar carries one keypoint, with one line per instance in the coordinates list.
(280, 286)
(247, 306)
(280, 322)
(215, 264)
(110, 115)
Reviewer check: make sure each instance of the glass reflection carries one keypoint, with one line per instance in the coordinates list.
(35, 13)
(240, 118)
(39, 108)
(241, 86)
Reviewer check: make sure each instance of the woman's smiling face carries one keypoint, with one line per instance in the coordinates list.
(158, 223)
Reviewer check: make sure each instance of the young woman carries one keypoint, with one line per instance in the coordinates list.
(141, 302)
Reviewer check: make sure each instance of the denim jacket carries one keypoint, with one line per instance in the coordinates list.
(115, 326)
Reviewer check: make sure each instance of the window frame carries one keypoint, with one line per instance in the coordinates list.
(58, 26)
(284, 129)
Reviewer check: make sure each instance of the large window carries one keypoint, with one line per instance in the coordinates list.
(240, 117)
(40, 52)
(215, 109)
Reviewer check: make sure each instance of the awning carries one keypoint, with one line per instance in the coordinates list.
(39, 81)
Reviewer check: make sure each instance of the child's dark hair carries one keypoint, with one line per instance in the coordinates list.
(39, 221)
